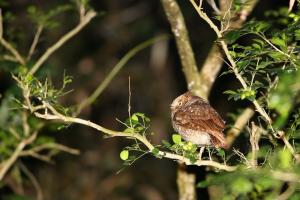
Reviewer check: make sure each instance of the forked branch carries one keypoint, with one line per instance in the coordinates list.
(84, 20)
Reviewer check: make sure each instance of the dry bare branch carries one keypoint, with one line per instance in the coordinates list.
(53, 114)
(10, 161)
(254, 139)
(34, 42)
(82, 23)
(8, 46)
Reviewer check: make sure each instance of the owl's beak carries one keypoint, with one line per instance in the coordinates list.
(172, 107)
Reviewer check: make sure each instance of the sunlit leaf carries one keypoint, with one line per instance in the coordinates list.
(176, 138)
(124, 154)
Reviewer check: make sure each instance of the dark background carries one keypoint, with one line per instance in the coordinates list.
(155, 82)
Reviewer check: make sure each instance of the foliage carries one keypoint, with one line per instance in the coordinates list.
(21, 132)
(268, 61)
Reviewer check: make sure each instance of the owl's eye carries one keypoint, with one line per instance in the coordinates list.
(180, 103)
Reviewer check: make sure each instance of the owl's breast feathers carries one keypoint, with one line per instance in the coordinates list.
(197, 115)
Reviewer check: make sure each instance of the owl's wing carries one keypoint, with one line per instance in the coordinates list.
(202, 117)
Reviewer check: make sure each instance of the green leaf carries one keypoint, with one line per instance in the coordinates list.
(129, 130)
(241, 185)
(155, 151)
(232, 36)
(192, 158)
(143, 116)
(229, 92)
(221, 152)
(134, 117)
(279, 42)
(264, 64)
(261, 42)
(264, 183)
(124, 155)
(261, 26)
(32, 10)
(166, 143)
(256, 46)
(202, 184)
(285, 159)
(176, 138)
(277, 56)
(297, 34)
(233, 54)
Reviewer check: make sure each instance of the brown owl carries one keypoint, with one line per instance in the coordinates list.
(196, 121)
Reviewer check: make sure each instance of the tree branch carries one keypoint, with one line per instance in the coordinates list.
(37, 186)
(34, 42)
(288, 145)
(84, 21)
(47, 146)
(185, 51)
(66, 119)
(9, 162)
(214, 61)
(8, 46)
(238, 126)
(232, 63)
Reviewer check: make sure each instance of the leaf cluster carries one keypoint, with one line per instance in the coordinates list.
(263, 183)
(269, 62)
(47, 19)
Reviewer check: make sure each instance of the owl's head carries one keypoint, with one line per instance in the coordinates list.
(185, 99)
(181, 100)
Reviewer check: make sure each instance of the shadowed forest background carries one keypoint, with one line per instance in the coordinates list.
(156, 78)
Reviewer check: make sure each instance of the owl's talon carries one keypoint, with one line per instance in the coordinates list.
(201, 152)
(209, 154)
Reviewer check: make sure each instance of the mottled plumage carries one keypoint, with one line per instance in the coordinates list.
(196, 121)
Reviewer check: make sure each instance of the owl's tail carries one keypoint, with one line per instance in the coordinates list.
(218, 140)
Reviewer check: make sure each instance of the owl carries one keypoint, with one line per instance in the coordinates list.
(197, 122)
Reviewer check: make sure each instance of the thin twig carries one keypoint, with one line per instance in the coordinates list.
(14, 133)
(10, 161)
(34, 42)
(129, 102)
(243, 157)
(37, 186)
(214, 6)
(47, 146)
(8, 46)
(26, 127)
(44, 158)
(273, 46)
(288, 145)
(84, 21)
